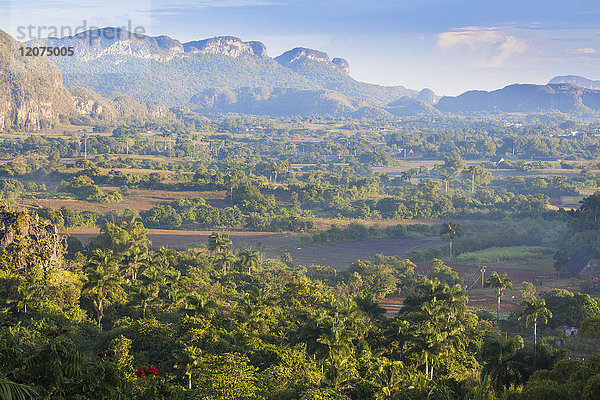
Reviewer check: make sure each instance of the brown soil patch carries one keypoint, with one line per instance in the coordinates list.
(342, 255)
(182, 239)
(138, 199)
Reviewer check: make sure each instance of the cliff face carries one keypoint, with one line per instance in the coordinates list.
(226, 45)
(32, 94)
(342, 64)
(299, 54)
(28, 243)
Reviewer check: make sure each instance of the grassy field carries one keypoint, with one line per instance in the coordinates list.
(529, 258)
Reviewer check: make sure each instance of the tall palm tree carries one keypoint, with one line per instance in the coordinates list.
(219, 243)
(148, 289)
(249, 259)
(172, 287)
(473, 170)
(200, 304)
(164, 257)
(446, 179)
(102, 280)
(224, 260)
(133, 261)
(28, 295)
(535, 309)
(449, 231)
(498, 356)
(500, 282)
(591, 203)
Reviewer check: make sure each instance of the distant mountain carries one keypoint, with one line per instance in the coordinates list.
(525, 99)
(115, 44)
(576, 81)
(114, 62)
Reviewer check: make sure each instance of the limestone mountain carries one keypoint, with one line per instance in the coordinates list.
(115, 43)
(32, 94)
(163, 70)
(526, 98)
(317, 68)
(576, 81)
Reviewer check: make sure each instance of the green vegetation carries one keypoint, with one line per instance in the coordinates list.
(259, 311)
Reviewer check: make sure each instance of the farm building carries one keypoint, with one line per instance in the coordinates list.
(570, 330)
(581, 267)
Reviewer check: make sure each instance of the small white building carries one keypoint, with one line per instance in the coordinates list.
(570, 330)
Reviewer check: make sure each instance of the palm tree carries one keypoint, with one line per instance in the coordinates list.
(163, 257)
(389, 378)
(171, 287)
(234, 180)
(224, 260)
(249, 259)
(498, 356)
(29, 295)
(219, 242)
(144, 296)
(449, 231)
(102, 280)
(200, 304)
(473, 170)
(535, 309)
(148, 289)
(591, 203)
(406, 176)
(133, 261)
(500, 282)
(446, 179)
(10, 390)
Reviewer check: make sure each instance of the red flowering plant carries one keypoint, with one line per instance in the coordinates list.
(148, 370)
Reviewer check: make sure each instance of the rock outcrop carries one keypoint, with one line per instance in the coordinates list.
(427, 95)
(342, 65)
(291, 57)
(226, 45)
(115, 42)
(26, 243)
(576, 80)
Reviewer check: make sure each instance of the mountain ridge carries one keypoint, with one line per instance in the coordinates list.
(162, 69)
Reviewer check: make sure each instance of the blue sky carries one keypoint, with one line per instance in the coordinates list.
(448, 46)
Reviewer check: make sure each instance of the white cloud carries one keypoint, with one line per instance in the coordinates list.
(491, 46)
(584, 50)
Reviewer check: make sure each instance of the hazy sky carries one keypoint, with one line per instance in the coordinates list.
(448, 46)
